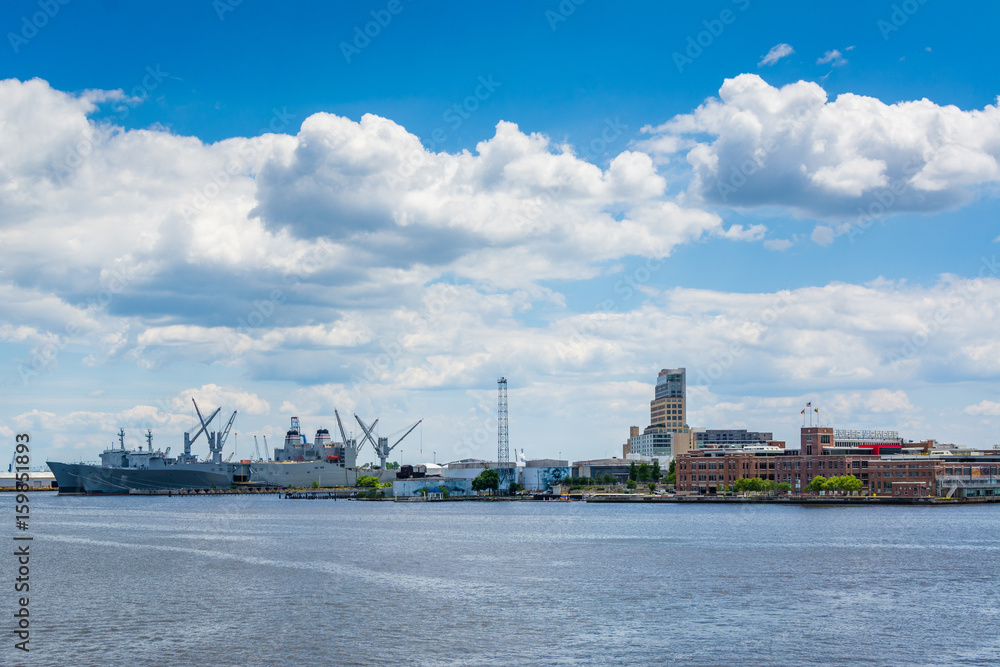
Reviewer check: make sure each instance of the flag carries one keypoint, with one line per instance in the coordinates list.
(803, 412)
(816, 410)
(809, 404)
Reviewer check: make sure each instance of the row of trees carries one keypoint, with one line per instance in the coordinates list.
(642, 473)
(848, 483)
(756, 484)
(645, 472)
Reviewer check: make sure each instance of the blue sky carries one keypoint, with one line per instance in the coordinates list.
(252, 204)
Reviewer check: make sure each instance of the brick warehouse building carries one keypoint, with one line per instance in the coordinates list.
(884, 469)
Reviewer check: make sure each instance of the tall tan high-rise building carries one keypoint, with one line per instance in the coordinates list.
(668, 409)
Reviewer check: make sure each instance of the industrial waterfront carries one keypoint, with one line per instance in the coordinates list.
(251, 579)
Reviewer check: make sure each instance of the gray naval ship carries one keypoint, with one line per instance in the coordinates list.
(297, 463)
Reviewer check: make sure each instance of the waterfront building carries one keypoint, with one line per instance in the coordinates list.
(654, 441)
(731, 438)
(431, 486)
(668, 409)
(877, 442)
(668, 432)
(618, 468)
(543, 474)
(36, 480)
(472, 468)
(914, 473)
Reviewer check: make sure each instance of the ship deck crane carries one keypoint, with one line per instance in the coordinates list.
(343, 434)
(225, 434)
(368, 433)
(381, 445)
(215, 440)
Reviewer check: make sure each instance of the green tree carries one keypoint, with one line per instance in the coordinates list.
(656, 473)
(642, 474)
(784, 487)
(633, 473)
(652, 488)
(367, 482)
(816, 484)
(488, 480)
(849, 483)
(315, 484)
(672, 472)
(514, 488)
(753, 485)
(631, 485)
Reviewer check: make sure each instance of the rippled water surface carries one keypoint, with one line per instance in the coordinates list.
(237, 580)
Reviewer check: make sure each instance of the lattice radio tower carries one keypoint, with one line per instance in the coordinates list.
(503, 451)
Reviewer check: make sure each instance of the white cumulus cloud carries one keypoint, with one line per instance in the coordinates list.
(758, 145)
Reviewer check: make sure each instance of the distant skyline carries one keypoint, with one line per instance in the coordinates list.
(382, 207)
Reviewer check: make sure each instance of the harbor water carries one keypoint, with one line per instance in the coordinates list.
(237, 580)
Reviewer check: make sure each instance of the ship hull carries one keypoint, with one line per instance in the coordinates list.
(90, 479)
(304, 473)
(67, 478)
(101, 480)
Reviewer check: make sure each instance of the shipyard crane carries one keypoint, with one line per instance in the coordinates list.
(381, 445)
(186, 457)
(257, 448)
(343, 434)
(266, 450)
(368, 433)
(204, 424)
(215, 440)
(225, 434)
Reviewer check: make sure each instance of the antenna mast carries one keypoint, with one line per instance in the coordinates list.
(503, 449)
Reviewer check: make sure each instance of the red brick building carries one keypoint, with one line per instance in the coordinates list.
(906, 474)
